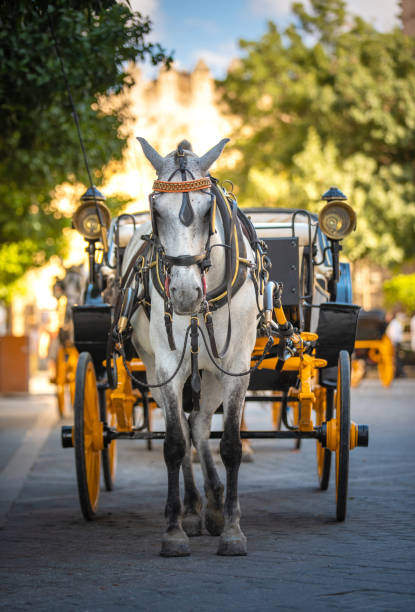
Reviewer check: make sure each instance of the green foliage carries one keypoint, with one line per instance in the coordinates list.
(330, 101)
(401, 290)
(39, 147)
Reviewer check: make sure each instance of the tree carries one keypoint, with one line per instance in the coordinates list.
(330, 101)
(401, 290)
(39, 147)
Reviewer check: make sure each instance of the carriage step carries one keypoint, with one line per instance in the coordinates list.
(66, 436)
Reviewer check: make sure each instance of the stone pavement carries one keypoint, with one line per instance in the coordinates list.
(299, 557)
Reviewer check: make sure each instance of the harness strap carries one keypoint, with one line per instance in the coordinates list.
(181, 186)
(195, 379)
(211, 334)
(168, 322)
(228, 286)
(186, 214)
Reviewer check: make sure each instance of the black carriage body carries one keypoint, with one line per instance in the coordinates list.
(336, 330)
(371, 325)
(284, 256)
(91, 327)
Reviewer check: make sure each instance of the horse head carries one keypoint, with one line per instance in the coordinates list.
(181, 220)
(71, 286)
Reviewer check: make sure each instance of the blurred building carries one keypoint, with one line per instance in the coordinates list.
(368, 279)
(408, 16)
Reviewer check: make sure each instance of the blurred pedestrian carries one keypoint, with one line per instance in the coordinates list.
(394, 331)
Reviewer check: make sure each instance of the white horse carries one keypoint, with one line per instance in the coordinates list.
(151, 342)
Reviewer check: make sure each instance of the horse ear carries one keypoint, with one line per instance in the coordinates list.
(155, 159)
(212, 155)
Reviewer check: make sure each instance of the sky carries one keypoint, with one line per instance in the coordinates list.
(210, 30)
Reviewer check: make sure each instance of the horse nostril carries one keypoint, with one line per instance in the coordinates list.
(199, 293)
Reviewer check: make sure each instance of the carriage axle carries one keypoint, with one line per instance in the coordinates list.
(318, 433)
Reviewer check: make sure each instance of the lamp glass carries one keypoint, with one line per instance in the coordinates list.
(337, 220)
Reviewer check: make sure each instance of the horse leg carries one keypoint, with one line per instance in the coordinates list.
(211, 398)
(247, 452)
(192, 518)
(232, 540)
(175, 542)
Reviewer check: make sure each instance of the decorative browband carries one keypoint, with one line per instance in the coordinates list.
(182, 186)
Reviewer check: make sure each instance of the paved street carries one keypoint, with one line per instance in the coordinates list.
(299, 557)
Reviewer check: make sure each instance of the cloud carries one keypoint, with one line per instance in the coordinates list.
(270, 8)
(146, 7)
(152, 9)
(383, 14)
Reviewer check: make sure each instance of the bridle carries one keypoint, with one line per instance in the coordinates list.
(186, 216)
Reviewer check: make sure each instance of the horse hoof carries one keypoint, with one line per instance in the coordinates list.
(232, 543)
(192, 524)
(175, 543)
(247, 454)
(214, 522)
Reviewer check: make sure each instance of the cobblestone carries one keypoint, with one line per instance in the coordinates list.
(299, 557)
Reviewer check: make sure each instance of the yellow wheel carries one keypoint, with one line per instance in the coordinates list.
(71, 371)
(358, 371)
(109, 453)
(88, 436)
(60, 377)
(324, 413)
(386, 363)
(342, 404)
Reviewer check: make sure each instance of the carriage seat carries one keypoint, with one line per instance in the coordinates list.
(125, 233)
(126, 227)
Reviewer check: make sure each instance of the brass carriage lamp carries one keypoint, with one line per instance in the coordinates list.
(92, 219)
(337, 218)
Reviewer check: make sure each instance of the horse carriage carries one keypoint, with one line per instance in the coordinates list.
(68, 291)
(206, 330)
(374, 346)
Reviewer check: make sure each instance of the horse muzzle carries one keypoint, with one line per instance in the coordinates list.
(185, 301)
